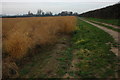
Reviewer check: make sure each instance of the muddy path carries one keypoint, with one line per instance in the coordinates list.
(114, 34)
(45, 64)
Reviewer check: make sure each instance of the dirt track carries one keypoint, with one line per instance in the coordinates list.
(117, 27)
(45, 64)
(114, 34)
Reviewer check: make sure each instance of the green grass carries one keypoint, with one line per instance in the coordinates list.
(109, 27)
(64, 61)
(94, 55)
(109, 21)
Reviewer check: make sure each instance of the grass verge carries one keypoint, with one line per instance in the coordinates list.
(109, 27)
(94, 55)
(109, 21)
(64, 61)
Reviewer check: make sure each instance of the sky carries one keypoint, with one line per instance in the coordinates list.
(12, 7)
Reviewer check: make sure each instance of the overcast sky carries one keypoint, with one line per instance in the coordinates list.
(12, 7)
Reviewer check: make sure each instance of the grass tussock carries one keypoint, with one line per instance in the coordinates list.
(20, 34)
(9, 68)
(17, 45)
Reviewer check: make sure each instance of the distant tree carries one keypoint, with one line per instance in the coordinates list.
(65, 13)
(39, 12)
(49, 14)
(29, 13)
(75, 14)
(55, 14)
(70, 13)
(43, 13)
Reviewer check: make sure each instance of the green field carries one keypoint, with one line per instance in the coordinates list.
(109, 21)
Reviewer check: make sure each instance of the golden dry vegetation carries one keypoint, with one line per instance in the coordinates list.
(21, 34)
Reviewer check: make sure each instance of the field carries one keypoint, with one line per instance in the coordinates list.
(21, 36)
(33, 31)
(56, 47)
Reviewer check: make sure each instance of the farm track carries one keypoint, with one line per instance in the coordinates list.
(73, 67)
(114, 34)
(45, 64)
(114, 26)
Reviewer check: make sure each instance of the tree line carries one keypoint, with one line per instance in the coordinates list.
(63, 13)
(41, 13)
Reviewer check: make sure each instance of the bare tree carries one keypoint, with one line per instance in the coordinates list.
(39, 12)
(30, 13)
